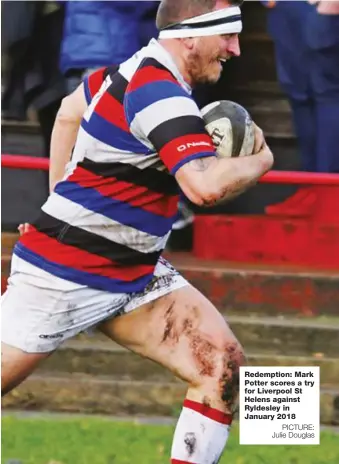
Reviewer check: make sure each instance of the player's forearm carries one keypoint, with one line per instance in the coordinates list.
(64, 133)
(63, 139)
(207, 181)
(230, 177)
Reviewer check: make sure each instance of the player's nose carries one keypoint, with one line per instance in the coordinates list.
(233, 46)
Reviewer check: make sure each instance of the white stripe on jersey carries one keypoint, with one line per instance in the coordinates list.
(100, 152)
(84, 142)
(155, 50)
(77, 216)
(164, 110)
(87, 146)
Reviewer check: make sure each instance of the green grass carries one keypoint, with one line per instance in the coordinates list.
(100, 441)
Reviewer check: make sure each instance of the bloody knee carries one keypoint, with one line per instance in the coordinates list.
(233, 358)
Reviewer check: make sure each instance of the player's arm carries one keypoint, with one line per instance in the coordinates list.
(68, 121)
(164, 114)
(63, 138)
(206, 181)
(64, 134)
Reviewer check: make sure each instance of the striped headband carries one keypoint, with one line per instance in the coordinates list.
(225, 21)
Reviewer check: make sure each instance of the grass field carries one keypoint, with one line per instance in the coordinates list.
(99, 441)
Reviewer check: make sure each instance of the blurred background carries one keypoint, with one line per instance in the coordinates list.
(269, 259)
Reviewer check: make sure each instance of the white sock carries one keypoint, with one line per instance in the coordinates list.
(201, 434)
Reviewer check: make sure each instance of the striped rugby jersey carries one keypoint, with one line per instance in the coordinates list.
(107, 222)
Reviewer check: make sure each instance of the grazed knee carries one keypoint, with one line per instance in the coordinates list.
(219, 366)
(233, 358)
(218, 361)
(215, 355)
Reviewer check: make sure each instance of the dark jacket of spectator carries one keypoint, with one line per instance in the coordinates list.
(98, 33)
(306, 40)
(31, 33)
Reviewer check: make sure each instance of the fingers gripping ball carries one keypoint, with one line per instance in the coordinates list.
(231, 128)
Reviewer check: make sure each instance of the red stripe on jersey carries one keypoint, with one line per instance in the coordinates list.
(74, 258)
(149, 74)
(112, 110)
(135, 195)
(95, 81)
(182, 147)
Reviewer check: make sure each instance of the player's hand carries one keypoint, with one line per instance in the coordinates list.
(261, 148)
(266, 156)
(259, 139)
(23, 228)
(272, 3)
(328, 8)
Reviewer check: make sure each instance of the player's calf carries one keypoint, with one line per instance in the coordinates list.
(203, 427)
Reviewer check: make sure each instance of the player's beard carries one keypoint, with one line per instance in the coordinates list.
(204, 68)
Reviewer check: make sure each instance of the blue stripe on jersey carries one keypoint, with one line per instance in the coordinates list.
(118, 211)
(112, 135)
(148, 94)
(204, 154)
(87, 92)
(81, 277)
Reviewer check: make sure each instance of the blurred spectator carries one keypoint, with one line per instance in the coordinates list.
(31, 33)
(101, 33)
(306, 39)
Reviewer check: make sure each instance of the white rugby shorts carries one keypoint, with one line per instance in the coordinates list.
(39, 311)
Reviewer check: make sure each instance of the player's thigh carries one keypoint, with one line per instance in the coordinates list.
(182, 331)
(18, 321)
(39, 312)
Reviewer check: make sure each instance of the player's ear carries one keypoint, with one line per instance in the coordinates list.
(188, 42)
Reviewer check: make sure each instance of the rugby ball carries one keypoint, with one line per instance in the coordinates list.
(231, 128)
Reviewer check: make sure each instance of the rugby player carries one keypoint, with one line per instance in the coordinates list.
(94, 257)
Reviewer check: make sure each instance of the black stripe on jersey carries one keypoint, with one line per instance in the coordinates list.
(110, 71)
(154, 180)
(92, 243)
(118, 87)
(174, 128)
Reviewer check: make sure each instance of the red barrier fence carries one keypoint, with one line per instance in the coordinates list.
(303, 231)
(24, 162)
(273, 177)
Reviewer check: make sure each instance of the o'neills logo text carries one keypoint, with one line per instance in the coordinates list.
(192, 145)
